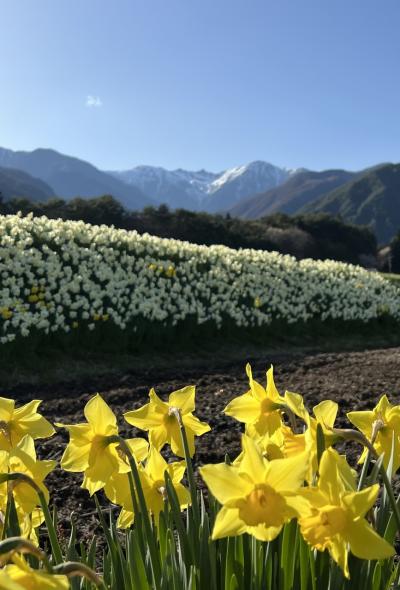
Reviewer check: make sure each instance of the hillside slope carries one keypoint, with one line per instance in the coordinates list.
(16, 183)
(372, 199)
(299, 190)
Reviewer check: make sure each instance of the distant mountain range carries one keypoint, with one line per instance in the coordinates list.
(202, 190)
(370, 197)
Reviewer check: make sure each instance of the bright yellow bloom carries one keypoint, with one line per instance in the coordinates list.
(258, 496)
(89, 451)
(152, 478)
(385, 418)
(20, 576)
(15, 423)
(333, 518)
(259, 408)
(324, 414)
(160, 420)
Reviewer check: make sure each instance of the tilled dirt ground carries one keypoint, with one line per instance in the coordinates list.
(355, 380)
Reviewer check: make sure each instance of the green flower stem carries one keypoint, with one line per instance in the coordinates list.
(155, 561)
(55, 545)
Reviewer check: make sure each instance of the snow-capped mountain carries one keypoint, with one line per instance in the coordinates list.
(177, 188)
(203, 190)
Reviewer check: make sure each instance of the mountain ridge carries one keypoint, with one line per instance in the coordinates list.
(372, 198)
(70, 177)
(299, 190)
(20, 184)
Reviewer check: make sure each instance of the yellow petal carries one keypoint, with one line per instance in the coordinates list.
(383, 405)
(177, 470)
(183, 399)
(175, 439)
(196, 426)
(225, 483)
(149, 416)
(100, 416)
(6, 409)
(156, 465)
(338, 551)
(125, 519)
(257, 390)
(295, 403)
(102, 465)
(245, 408)
(228, 524)
(264, 533)
(326, 412)
(365, 543)
(360, 502)
(272, 392)
(288, 474)
(139, 448)
(28, 420)
(158, 436)
(329, 481)
(253, 464)
(363, 421)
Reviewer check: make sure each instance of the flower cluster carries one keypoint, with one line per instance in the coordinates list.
(287, 472)
(59, 276)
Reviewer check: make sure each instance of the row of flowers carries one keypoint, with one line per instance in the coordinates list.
(287, 471)
(60, 275)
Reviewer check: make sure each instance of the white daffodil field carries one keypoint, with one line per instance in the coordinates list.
(58, 277)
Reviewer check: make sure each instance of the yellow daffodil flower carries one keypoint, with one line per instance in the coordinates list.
(89, 451)
(324, 414)
(20, 576)
(258, 497)
(259, 408)
(152, 478)
(385, 420)
(15, 423)
(282, 443)
(333, 517)
(160, 420)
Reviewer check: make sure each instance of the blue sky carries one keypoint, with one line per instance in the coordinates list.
(210, 83)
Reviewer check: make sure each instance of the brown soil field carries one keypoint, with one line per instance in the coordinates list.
(355, 380)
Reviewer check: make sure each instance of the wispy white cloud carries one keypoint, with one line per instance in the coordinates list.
(93, 101)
